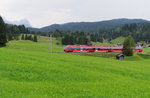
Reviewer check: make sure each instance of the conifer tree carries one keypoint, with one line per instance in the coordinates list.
(35, 38)
(22, 38)
(10, 36)
(3, 38)
(26, 37)
(128, 46)
(30, 37)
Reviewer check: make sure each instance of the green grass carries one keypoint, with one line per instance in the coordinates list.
(41, 46)
(146, 50)
(118, 40)
(27, 70)
(101, 44)
(106, 43)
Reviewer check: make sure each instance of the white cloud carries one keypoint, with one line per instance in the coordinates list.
(50, 17)
(39, 13)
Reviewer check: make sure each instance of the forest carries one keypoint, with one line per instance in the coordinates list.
(139, 31)
(15, 32)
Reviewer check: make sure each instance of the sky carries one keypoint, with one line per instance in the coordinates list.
(42, 13)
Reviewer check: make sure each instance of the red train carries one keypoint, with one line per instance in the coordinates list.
(97, 49)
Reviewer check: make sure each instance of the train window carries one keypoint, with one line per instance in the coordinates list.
(104, 49)
(98, 49)
(73, 48)
(84, 48)
(91, 48)
(70, 48)
(137, 48)
(88, 48)
(76, 48)
(115, 49)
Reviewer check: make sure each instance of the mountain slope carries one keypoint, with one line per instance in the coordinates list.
(89, 26)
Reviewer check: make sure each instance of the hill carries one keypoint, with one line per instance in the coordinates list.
(28, 70)
(89, 26)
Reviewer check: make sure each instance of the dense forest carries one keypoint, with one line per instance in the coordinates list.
(15, 32)
(88, 27)
(84, 32)
(139, 31)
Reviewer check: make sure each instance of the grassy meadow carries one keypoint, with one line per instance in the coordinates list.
(28, 70)
(107, 43)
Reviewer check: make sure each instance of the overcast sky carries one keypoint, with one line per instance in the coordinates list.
(46, 12)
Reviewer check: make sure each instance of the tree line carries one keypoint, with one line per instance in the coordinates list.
(72, 38)
(14, 32)
(139, 31)
(68, 37)
(10, 32)
(29, 37)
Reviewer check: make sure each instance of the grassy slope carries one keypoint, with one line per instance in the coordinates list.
(28, 70)
(118, 40)
(114, 42)
(146, 50)
(101, 44)
(41, 46)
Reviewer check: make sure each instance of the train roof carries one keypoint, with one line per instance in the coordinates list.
(82, 46)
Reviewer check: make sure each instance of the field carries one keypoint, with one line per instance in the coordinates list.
(28, 70)
(114, 42)
(118, 40)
